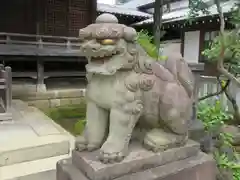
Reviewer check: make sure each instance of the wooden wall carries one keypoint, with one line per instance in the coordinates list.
(18, 16)
(48, 17)
(66, 17)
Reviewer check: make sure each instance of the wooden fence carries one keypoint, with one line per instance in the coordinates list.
(209, 84)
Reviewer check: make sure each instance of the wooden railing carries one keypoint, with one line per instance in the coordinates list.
(52, 74)
(208, 85)
(11, 38)
(23, 42)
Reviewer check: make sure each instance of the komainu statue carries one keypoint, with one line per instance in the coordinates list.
(131, 96)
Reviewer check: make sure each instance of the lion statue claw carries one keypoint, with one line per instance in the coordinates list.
(129, 92)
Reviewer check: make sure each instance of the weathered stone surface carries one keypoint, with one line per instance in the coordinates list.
(55, 102)
(199, 167)
(65, 101)
(52, 94)
(77, 100)
(139, 159)
(66, 171)
(42, 104)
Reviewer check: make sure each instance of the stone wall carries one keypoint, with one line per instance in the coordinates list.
(52, 98)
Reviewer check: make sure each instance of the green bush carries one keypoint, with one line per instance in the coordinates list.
(212, 116)
(67, 112)
(79, 127)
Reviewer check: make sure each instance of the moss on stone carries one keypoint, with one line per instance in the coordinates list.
(67, 111)
(70, 117)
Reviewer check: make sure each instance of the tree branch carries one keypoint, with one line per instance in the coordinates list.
(157, 16)
(233, 102)
(220, 63)
(216, 93)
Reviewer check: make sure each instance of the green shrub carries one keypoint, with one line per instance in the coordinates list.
(145, 40)
(213, 118)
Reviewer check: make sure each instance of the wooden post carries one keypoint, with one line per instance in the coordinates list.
(5, 93)
(93, 6)
(196, 129)
(8, 88)
(40, 76)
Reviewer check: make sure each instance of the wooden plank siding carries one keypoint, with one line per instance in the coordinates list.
(38, 38)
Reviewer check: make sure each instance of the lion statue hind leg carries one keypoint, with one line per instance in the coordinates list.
(175, 112)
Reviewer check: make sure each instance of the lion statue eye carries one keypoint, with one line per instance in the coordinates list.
(108, 42)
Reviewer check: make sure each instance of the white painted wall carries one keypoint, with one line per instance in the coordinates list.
(191, 46)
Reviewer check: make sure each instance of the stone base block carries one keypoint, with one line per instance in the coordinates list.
(140, 164)
(199, 167)
(41, 88)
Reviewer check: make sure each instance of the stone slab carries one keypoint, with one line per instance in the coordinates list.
(139, 159)
(31, 135)
(199, 167)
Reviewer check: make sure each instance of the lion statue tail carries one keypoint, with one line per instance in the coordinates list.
(180, 69)
(174, 63)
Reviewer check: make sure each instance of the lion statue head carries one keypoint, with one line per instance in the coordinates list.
(108, 46)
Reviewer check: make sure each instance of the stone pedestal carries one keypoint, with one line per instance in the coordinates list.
(184, 163)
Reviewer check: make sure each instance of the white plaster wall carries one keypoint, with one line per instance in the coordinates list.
(191, 46)
(171, 49)
(107, 1)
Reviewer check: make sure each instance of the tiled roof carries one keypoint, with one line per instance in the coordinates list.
(183, 13)
(118, 9)
(134, 4)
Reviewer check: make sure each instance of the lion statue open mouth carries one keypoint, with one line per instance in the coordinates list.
(128, 92)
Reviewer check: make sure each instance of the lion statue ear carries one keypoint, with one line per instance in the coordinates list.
(129, 34)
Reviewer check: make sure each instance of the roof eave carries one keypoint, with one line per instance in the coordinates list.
(151, 5)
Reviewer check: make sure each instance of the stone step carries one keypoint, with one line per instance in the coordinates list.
(30, 169)
(33, 149)
(31, 142)
(46, 175)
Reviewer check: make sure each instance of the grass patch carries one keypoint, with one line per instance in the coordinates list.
(70, 117)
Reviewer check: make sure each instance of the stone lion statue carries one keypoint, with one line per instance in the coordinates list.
(131, 96)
